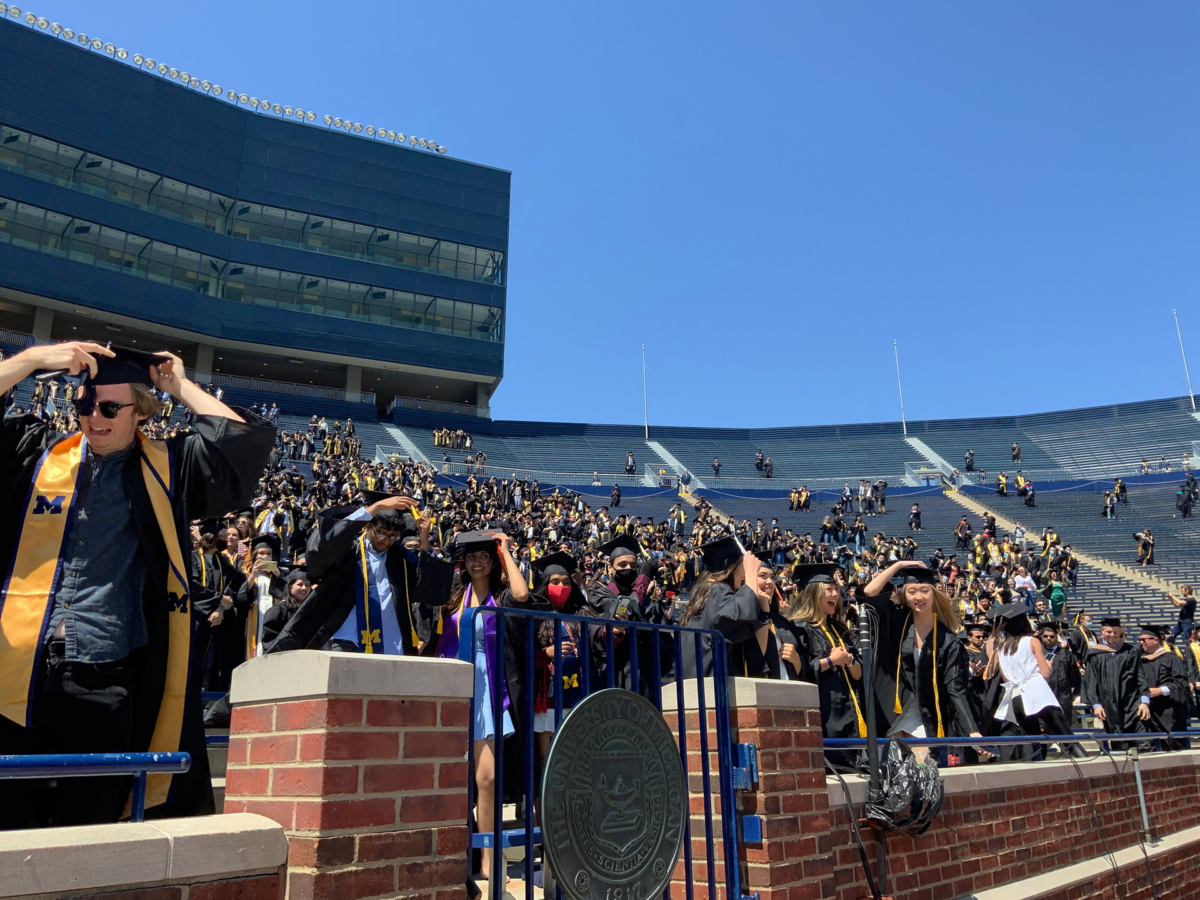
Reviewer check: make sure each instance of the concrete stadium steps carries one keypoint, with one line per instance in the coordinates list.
(846, 452)
(992, 445)
(1104, 588)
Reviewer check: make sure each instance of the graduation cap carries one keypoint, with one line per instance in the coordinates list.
(977, 626)
(210, 526)
(624, 545)
(472, 542)
(246, 513)
(1012, 610)
(375, 496)
(267, 540)
(814, 573)
(766, 556)
(1110, 622)
(126, 366)
(916, 575)
(559, 563)
(297, 573)
(1155, 631)
(721, 553)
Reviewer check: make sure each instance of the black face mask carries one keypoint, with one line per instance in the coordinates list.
(625, 578)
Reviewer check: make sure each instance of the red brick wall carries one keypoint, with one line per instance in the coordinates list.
(983, 839)
(372, 792)
(1176, 876)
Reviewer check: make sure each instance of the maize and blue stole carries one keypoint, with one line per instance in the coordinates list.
(367, 609)
(27, 599)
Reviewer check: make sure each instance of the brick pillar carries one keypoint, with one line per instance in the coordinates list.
(783, 719)
(362, 759)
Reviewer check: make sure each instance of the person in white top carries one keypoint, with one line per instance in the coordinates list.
(1027, 701)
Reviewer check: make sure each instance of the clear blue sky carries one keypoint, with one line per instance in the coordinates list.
(767, 194)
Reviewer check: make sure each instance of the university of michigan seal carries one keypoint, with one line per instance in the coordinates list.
(614, 798)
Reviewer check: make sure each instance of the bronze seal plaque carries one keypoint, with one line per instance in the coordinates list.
(614, 798)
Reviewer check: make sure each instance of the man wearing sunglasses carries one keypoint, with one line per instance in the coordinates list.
(98, 609)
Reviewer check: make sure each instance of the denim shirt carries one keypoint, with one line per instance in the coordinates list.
(99, 595)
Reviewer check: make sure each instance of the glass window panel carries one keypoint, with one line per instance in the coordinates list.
(341, 236)
(172, 196)
(27, 226)
(67, 164)
(337, 298)
(246, 220)
(383, 246)
(196, 206)
(8, 210)
(313, 230)
(122, 180)
(187, 269)
(40, 157)
(273, 225)
(208, 279)
(312, 295)
(54, 233)
(360, 301)
(82, 237)
(146, 190)
(162, 261)
(289, 289)
(93, 174)
(239, 283)
(13, 145)
(109, 248)
(133, 260)
(364, 236)
(266, 287)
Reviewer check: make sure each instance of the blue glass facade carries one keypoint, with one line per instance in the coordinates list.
(403, 252)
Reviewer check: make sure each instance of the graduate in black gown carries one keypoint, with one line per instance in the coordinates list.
(1111, 683)
(1065, 676)
(733, 597)
(921, 678)
(623, 593)
(1164, 686)
(829, 658)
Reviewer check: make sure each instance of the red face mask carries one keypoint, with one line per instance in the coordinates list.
(558, 593)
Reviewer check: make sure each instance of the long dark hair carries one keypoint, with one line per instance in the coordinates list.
(703, 588)
(458, 591)
(1014, 630)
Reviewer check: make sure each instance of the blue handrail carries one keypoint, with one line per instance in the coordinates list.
(860, 743)
(79, 765)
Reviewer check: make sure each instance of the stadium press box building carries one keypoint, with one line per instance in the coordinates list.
(146, 209)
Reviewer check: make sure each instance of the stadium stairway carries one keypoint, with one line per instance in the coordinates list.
(1104, 587)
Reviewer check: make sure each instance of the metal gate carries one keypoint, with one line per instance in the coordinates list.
(652, 663)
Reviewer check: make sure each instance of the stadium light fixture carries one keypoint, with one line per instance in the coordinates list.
(3, 8)
(372, 131)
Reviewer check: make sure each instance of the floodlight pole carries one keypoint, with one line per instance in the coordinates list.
(645, 405)
(1179, 334)
(903, 422)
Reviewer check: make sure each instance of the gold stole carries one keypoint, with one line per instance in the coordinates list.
(27, 599)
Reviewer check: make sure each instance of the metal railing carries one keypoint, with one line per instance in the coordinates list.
(80, 765)
(649, 646)
(283, 387)
(454, 409)
(456, 467)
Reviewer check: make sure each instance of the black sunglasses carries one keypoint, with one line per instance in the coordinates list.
(110, 409)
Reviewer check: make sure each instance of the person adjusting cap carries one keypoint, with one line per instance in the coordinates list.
(917, 575)
(126, 366)
(814, 573)
(721, 553)
(621, 545)
(473, 541)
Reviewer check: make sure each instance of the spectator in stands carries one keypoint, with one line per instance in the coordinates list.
(716, 467)
(1002, 484)
(1121, 490)
(1145, 466)
(879, 495)
(298, 587)
(1108, 507)
(1184, 502)
(615, 499)
(768, 468)
(1145, 547)
(914, 517)
(105, 626)
(1030, 495)
(758, 460)
(969, 461)
(630, 465)
(1016, 453)
(1186, 604)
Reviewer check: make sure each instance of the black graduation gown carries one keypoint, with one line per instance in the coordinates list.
(1064, 678)
(605, 599)
(786, 632)
(215, 469)
(1168, 713)
(332, 562)
(1113, 680)
(274, 621)
(839, 715)
(738, 616)
(896, 643)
